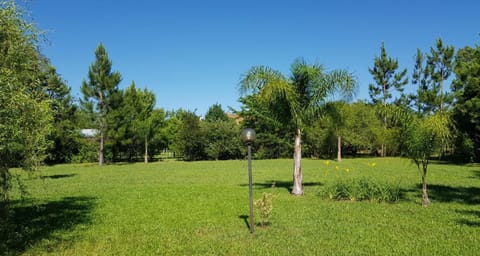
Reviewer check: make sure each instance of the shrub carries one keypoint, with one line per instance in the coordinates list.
(87, 152)
(362, 189)
(265, 207)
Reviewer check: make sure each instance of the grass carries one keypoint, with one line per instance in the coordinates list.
(201, 208)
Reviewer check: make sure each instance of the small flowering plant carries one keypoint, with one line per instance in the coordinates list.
(265, 207)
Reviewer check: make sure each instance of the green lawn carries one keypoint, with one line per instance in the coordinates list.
(201, 208)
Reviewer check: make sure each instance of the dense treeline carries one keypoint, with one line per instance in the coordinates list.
(128, 126)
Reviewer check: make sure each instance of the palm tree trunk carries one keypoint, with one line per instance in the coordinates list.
(146, 152)
(297, 166)
(339, 147)
(425, 200)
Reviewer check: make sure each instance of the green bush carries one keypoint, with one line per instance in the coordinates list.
(87, 152)
(361, 190)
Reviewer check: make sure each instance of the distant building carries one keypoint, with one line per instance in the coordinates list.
(238, 119)
(89, 133)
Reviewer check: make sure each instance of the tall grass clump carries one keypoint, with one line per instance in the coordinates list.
(362, 189)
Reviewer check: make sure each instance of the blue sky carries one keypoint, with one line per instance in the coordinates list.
(192, 54)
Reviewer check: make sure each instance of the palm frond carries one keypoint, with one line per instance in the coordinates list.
(258, 77)
(343, 84)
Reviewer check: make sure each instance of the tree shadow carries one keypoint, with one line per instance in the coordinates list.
(288, 185)
(476, 174)
(469, 215)
(58, 176)
(444, 193)
(29, 223)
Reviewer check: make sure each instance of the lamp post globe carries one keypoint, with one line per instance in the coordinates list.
(248, 135)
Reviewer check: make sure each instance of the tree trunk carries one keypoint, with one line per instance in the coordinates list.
(425, 200)
(101, 158)
(339, 148)
(385, 127)
(297, 166)
(384, 145)
(4, 177)
(441, 95)
(146, 152)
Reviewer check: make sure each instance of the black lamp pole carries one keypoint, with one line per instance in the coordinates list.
(250, 186)
(248, 135)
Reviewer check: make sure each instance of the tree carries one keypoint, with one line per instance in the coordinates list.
(440, 63)
(25, 114)
(385, 74)
(173, 124)
(216, 113)
(296, 99)
(156, 139)
(338, 113)
(425, 135)
(466, 86)
(189, 141)
(147, 123)
(364, 128)
(65, 136)
(222, 135)
(101, 87)
(428, 129)
(431, 72)
(273, 137)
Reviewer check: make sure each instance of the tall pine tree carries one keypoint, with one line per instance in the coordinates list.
(99, 90)
(387, 78)
(431, 71)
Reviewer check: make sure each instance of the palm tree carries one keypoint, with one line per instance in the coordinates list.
(297, 99)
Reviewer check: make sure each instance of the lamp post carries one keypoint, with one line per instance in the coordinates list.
(248, 136)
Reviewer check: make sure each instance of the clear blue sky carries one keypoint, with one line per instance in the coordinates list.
(191, 54)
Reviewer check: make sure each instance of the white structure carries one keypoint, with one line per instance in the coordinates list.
(89, 132)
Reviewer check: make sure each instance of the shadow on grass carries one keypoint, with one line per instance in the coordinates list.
(28, 224)
(476, 174)
(288, 185)
(245, 218)
(59, 176)
(469, 215)
(446, 194)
